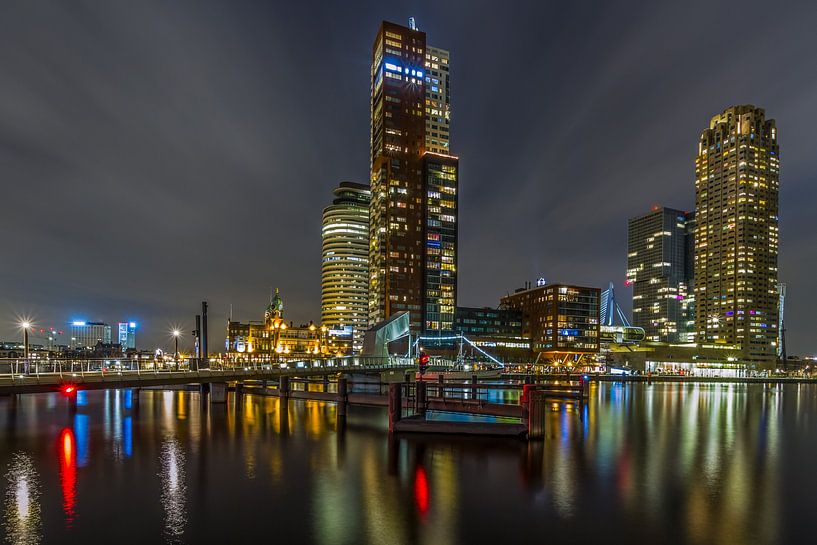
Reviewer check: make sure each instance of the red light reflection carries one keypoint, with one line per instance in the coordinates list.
(67, 454)
(421, 489)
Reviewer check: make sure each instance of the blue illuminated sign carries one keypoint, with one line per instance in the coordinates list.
(569, 332)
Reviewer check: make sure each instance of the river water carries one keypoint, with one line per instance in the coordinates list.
(661, 463)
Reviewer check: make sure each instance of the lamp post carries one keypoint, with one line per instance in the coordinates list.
(176, 334)
(25, 325)
(324, 329)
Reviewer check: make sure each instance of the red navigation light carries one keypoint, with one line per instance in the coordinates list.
(68, 389)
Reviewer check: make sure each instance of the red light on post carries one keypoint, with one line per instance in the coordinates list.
(68, 389)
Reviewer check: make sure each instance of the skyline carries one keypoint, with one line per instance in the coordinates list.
(590, 248)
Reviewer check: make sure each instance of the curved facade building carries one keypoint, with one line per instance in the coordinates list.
(345, 261)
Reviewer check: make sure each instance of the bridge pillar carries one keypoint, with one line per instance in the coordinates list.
(343, 395)
(283, 387)
(204, 389)
(421, 396)
(395, 404)
(218, 392)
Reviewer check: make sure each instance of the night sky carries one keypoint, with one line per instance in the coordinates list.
(156, 154)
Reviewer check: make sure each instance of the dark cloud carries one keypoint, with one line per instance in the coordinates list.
(154, 154)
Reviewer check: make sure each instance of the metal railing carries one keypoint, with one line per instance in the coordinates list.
(21, 368)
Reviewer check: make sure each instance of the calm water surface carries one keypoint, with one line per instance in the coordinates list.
(662, 463)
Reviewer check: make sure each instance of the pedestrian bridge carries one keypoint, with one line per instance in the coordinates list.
(21, 377)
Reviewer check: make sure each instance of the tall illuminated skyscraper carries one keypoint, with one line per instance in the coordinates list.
(659, 269)
(736, 239)
(345, 261)
(413, 212)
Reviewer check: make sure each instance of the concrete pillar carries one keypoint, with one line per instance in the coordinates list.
(343, 395)
(421, 397)
(218, 392)
(283, 387)
(395, 404)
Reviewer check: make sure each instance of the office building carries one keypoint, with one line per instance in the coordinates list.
(659, 269)
(414, 183)
(89, 334)
(485, 321)
(736, 236)
(561, 321)
(345, 262)
(127, 335)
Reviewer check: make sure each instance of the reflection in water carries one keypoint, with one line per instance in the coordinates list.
(685, 463)
(67, 454)
(22, 510)
(174, 489)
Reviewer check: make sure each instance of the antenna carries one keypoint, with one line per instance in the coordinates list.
(412, 24)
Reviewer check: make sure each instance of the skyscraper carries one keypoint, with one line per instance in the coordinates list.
(345, 261)
(659, 269)
(736, 238)
(413, 211)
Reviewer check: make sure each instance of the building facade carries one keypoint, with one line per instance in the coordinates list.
(659, 269)
(561, 321)
(486, 321)
(413, 210)
(345, 262)
(126, 335)
(737, 181)
(89, 334)
(274, 340)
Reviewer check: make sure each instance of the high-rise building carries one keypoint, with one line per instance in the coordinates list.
(561, 321)
(414, 181)
(345, 262)
(659, 269)
(88, 334)
(736, 236)
(127, 335)
(438, 100)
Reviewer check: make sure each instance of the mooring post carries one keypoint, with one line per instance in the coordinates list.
(326, 383)
(441, 386)
(72, 401)
(343, 384)
(536, 414)
(585, 382)
(421, 386)
(283, 387)
(395, 404)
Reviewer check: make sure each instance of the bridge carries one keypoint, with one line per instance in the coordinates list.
(31, 377)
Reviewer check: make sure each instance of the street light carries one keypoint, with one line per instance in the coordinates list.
(25, 324)
(176, 334)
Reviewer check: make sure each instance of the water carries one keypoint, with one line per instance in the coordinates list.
(666, 463)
